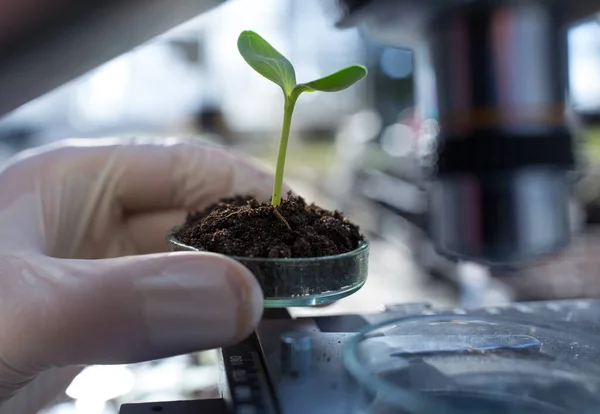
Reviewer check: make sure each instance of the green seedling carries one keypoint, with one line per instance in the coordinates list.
(271, 64)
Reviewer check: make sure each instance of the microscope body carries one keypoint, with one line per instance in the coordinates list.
(504, 157)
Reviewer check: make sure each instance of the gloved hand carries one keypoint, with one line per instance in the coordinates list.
(82, 279)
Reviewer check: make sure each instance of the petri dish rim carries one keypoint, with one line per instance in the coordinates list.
(312, 300)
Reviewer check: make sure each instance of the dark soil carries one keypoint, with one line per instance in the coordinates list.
(244, 227)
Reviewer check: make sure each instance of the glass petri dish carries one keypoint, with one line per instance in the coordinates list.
(463, 364)
(302, 281)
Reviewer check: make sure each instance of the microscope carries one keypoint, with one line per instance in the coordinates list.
(498, 195)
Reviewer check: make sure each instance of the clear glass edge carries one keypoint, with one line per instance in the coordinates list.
(412, 401)
(312, 300)
(364, 246)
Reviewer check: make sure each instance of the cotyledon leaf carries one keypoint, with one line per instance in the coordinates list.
(337, 81)
(266, 60)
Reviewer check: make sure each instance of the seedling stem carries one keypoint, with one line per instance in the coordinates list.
(271, 64)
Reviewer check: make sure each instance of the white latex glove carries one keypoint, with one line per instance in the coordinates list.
(81, 277)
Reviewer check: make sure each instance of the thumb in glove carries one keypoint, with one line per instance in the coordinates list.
(83, 279)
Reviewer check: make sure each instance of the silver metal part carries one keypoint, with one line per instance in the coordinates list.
(296, 354)
(506, 217)
(324, 384)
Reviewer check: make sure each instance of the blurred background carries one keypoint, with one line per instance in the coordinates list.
(365, 151)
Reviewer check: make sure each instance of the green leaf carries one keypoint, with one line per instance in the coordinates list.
(337, 81)
(267, 61)
(271, 64)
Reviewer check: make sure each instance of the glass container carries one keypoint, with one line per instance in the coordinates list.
(289, 282)
(464, 364)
